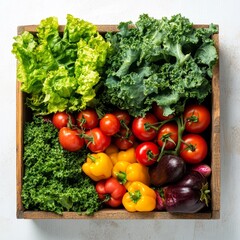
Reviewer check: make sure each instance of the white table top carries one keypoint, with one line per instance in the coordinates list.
(26, 12)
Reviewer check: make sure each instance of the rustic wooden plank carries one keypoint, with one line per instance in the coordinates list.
(100, 28)
(114, 214)
(19, 147)
(215, 141)
(33, 28)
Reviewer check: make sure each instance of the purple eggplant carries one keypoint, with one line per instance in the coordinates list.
(189, 195)
(160, 202)
(169, 169)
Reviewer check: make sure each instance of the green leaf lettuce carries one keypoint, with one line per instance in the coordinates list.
(60, 72)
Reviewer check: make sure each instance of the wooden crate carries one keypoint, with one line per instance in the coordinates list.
(22, 115)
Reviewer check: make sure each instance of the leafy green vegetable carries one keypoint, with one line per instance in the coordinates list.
(167, 61)
(53, 179)
(60, 72)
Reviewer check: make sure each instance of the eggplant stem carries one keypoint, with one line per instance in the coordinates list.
(205, 194)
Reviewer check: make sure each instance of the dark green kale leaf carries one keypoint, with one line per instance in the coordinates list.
(167, 61)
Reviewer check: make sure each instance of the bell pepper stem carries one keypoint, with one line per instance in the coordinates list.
(135, 196)
(92, 157)
(122, 177)
(107, 197)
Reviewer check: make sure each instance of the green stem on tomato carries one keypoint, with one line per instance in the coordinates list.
(162, 151)
(181, 127)
(156, 126)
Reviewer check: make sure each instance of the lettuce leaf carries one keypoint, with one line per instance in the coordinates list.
(60, 72)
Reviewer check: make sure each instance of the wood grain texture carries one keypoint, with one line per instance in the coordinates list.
(33, 28)
(22, 114)
(215, 141)
(19, 147)
(114, 214)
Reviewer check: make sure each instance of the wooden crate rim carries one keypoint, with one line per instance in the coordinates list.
(101, 28)
(122, 214)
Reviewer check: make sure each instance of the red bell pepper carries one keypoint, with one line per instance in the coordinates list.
(110, 191)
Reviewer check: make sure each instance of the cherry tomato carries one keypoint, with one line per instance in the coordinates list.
(70, 139)
(144, 128)
(168, 135)
(147, 153)
(158, 112)
(123, 116)
(197, 118)
(124, 139)
(87, 119)
(109, 124)
(62, 119)
(193, 148)
(96, 140)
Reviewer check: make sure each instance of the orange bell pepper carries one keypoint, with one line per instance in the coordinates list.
(126, 173)
(98, 166)
(139, 197)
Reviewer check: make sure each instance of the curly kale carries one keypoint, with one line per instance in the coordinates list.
(53, 179)
(167, 61)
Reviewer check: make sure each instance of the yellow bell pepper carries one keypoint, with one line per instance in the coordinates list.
(127, 155)
(139, 197)
(126, 173)
(98, 166)
(114, 157)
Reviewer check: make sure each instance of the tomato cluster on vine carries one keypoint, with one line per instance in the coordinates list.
(152, 135)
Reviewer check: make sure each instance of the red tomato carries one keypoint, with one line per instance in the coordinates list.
(193, 148)
(147, 153)
(158, 112)
(96, 140)
(124, 139)
(109, 124)
(70, 139)
(123, 116)
(62, 119)
(110, 191)
(197, 118)
(87, 119)
(168, 135)
(144, 128)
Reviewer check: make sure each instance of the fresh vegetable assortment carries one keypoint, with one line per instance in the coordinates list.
(120, 120)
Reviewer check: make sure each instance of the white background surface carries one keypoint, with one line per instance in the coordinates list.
(223, 13)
